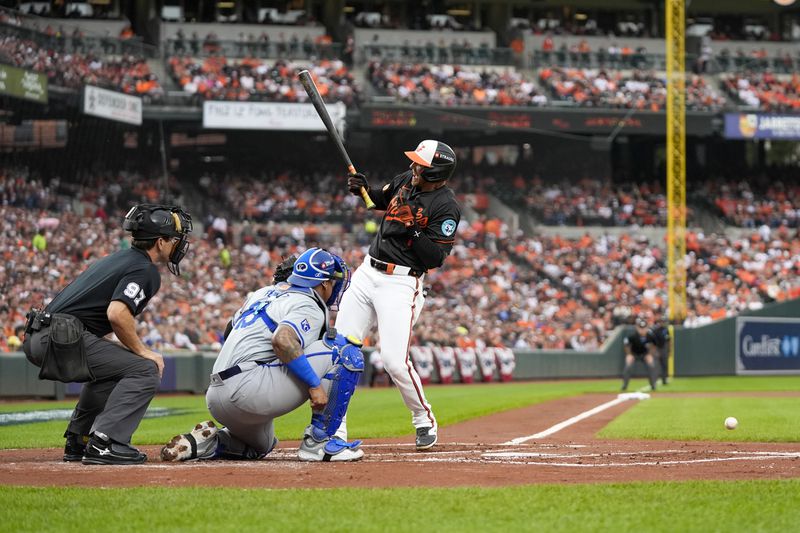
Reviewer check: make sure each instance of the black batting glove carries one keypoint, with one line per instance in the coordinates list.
(355, 182)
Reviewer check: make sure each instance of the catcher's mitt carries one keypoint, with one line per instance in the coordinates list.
(284, 269)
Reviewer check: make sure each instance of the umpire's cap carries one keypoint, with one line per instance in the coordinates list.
(438, 159)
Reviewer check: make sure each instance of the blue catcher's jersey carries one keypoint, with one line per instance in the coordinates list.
(264, 310)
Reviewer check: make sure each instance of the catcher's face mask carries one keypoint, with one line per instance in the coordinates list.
(342, 277)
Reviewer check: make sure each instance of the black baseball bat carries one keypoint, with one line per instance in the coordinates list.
(322, 111)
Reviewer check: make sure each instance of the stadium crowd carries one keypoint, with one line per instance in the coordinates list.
(253, 79)
(765, 90)
(495, 289)
(452, 85)
(759, 201)
(129, 74)
(643, 90)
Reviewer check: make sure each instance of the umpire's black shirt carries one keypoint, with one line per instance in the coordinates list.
(127, 275)
(437, 212)
(639, 343)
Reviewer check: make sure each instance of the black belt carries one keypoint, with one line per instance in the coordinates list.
(235, 370)
(390, 267)
(229, 372)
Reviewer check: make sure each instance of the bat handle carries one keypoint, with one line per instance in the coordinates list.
(364, 194)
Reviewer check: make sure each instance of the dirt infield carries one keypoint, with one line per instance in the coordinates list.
(473, 453)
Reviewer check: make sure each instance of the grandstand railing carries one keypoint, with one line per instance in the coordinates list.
(203, 47)
(438, 54)
(565, 58)
(87, 44)
(714, 64)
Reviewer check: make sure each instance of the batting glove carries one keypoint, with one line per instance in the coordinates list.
(355, 182)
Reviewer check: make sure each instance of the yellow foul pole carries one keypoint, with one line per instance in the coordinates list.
(676, 159)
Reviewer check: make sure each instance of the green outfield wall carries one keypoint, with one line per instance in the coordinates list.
(707, 350)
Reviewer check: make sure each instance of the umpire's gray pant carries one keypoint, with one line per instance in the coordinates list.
(116, 401)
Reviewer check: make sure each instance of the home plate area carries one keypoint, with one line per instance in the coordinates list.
(566, 455)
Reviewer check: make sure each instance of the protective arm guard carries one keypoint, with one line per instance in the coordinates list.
(348, 365)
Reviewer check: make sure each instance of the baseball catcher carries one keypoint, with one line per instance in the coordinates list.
(277, 356)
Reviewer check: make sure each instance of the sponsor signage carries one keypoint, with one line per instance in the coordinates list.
(767, 345)
(112, 105)
(591, 121)
(762, 126)
(269, 116)
(23, 84)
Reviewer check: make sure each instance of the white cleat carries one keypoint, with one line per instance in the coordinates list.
(329, 450)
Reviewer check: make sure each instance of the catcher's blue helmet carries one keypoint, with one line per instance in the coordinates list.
(316, 265)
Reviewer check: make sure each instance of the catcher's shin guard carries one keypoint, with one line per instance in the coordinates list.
(349, 364)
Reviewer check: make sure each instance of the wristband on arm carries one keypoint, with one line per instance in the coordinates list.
(301, 368)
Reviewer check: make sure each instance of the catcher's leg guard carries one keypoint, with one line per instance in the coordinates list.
(343, 380)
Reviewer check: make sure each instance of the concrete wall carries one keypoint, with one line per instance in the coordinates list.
(711, 349)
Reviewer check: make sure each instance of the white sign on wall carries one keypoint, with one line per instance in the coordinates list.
(112, 105)
(269, 116)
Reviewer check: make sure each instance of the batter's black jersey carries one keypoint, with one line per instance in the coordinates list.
(639, 344)
(437, 212)
(127, 275)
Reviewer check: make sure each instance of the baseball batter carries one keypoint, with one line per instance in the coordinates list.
(277, 356)
(416, 234)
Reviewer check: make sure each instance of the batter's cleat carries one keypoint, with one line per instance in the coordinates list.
(75, 447)
(426, 438)
(107, 452)
(197, 444)
(330, 449)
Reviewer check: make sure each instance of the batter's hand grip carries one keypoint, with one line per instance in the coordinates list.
(364, 194)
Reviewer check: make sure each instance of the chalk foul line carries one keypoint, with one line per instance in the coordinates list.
(582, 416)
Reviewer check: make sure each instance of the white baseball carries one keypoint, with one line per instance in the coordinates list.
(731, 422)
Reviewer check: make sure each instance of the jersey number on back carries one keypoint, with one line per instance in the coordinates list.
(257, 310)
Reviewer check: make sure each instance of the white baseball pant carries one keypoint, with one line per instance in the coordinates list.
(395, 302)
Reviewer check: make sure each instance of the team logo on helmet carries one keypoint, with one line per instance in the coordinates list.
(301, 267)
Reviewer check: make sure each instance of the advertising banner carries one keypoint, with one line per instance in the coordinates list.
(762, 126)
(269, 116)
(23, 84)
(112, 105)
(590, 121)
(767, 345)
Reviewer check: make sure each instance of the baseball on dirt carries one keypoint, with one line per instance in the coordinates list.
(731, 422)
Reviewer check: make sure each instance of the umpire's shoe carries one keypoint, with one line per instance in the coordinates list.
(103, 451)
(426, 438)
(75, 447)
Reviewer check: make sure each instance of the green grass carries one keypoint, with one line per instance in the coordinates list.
(691, 506)
(661, 417)
(373, 412)
(381, 413)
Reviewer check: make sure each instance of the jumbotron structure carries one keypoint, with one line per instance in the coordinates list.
(676, 158)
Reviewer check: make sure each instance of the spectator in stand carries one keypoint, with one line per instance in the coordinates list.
(251, 79)
(452, 85)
